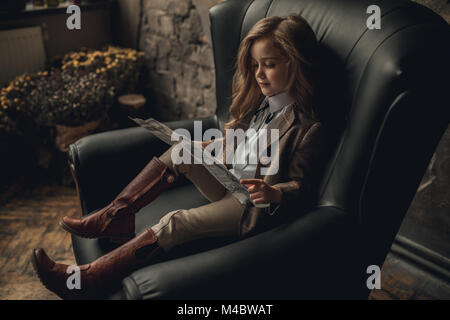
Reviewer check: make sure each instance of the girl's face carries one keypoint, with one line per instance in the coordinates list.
(270, 68)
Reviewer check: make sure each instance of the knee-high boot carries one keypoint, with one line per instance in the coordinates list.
(116, 220)
(95, 278)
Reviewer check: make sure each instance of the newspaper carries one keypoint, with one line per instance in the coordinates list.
(218, 170)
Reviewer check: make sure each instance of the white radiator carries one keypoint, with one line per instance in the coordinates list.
(21, 50)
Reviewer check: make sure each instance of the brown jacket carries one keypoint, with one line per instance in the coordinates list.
(303, 151)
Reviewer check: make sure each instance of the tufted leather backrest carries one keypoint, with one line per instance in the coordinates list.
(387, 84)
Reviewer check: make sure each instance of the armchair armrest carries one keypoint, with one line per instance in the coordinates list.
(102, 164)
(316, 256)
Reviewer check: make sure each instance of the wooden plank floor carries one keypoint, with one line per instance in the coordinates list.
(30, 219)
(405, 281)
(27, 221)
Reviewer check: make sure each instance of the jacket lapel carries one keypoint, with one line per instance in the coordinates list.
(285, 123)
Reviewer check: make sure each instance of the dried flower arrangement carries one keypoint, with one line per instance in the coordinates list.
(81, 89)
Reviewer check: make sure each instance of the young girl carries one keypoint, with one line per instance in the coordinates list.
(273, 88)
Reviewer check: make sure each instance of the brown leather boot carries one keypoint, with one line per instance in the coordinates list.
(104, 273)
(116, 220)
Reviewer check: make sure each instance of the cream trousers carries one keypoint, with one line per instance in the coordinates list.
(221, 217)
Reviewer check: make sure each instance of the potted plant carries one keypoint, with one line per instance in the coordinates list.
(74, 95)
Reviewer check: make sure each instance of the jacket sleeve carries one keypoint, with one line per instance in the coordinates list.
(305, 163)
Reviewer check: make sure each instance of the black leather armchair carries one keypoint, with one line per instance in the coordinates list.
(389, 85)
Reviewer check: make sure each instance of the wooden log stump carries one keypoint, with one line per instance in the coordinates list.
(130, 105)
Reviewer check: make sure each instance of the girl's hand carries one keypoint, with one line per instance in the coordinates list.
(261, 192)
(205, 143)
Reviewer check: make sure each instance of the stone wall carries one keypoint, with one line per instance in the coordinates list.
(175, 38)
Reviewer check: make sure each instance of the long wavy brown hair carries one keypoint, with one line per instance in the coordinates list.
(296, 41)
